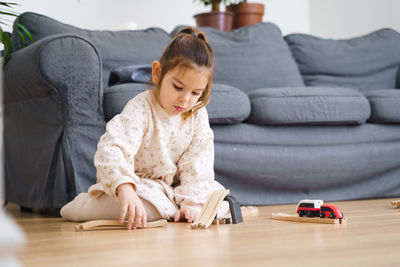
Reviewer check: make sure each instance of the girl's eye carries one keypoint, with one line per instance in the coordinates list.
(194, 93)
(177, 87)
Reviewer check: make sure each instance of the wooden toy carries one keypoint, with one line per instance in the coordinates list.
(309, 207)
(206, 218)
(114, 224)
(208, 213)
(247, 211)
(396, 203)
(294, 218)
(328, 213)
(210, 209)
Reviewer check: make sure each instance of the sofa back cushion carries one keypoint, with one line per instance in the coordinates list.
(220, 111)
(308, 106)
(116, 48)
(364, 63)
(252, 57)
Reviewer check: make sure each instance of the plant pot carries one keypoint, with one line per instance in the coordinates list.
(222, 21)
(246, 14)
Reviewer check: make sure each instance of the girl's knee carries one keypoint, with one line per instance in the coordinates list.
(71, 210)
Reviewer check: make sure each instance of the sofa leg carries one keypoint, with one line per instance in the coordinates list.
(25, 209)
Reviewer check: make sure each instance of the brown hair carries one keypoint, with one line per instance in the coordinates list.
(189, 48)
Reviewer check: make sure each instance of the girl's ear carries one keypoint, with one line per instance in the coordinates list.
(155, 71)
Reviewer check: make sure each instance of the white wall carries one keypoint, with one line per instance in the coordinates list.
(324, 18)
(290, 15)
(116, 14)
(350, 18)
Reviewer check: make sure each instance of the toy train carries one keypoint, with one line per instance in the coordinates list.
(317, 208)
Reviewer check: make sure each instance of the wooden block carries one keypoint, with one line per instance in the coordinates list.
(396, 203)
(113, 224)
(296, 218)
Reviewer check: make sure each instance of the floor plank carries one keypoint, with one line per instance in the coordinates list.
(371, 237)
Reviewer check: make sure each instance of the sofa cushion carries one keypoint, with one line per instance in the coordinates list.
(228, 105)
(308, 106)
(116, 97)
(252, 57)
(220, 108)
(116, 48)
(364, 63)
(385, 105)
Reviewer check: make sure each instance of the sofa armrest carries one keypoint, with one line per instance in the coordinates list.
(47, 66)
(398, 78)
(53, 119)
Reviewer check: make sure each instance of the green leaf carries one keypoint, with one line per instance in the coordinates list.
(8, 14)
(8, 4)
(21, 35)
(5, 39)
(27, 33)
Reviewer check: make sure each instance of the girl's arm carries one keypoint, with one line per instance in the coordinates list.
(196, 167)
(114, 158)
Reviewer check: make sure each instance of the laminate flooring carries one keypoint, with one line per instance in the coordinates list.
(371, 237)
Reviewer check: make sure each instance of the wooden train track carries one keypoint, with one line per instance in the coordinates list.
(208, 213)
(396, 203)
(206, 218)
(296, 218)
(113, 224)
(247, 212)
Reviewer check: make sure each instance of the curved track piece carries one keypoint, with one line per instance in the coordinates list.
(113, 224)
(210, 209)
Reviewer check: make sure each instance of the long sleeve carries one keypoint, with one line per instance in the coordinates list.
(116, 150)
(196, 166)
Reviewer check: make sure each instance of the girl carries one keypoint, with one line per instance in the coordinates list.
(156, 158)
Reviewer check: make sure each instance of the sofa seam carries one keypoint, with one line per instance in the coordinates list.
(308, 96)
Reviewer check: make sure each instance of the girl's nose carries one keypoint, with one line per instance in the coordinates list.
(184, 97)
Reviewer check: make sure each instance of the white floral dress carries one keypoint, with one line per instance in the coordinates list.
(169, 161)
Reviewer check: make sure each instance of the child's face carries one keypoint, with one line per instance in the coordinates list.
(181, 88)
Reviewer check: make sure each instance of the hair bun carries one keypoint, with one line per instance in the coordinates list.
(193, 31)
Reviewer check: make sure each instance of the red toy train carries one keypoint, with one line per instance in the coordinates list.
(317, 208)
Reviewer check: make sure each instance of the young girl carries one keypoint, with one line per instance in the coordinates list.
(156, 158)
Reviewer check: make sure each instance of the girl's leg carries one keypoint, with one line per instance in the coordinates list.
(85, 208)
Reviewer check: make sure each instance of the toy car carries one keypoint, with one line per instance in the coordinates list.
(309, 207)
(330, 211)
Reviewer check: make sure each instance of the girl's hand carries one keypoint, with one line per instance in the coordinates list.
(190, 214)
(131, 204)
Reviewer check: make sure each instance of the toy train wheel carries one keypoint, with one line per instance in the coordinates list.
(301, 213)
(322, 215)
(332, 215)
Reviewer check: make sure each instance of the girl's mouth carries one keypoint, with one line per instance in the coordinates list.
(179, 109)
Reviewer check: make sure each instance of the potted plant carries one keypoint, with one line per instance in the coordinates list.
(6, 10)
(219, 20)
(246, 13)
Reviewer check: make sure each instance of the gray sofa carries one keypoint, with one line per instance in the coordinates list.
(293, 117)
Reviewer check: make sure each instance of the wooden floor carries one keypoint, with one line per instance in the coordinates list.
(371, 237)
